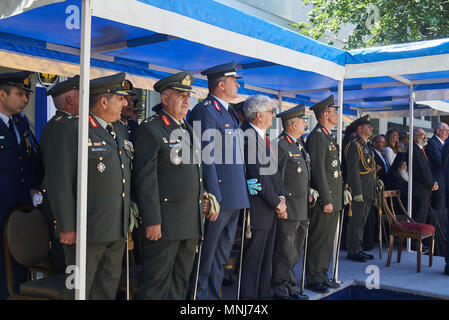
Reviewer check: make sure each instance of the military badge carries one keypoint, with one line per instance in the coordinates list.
(217, 106)
(164, 139)
(227, 125)
(58, 118)
(101, 167)
(336, 174)
(187, 81)
(89, 142)
(93, 122)
(290, 141)
(165, 120)
(334, 163)
(128, 145)
(299, 169)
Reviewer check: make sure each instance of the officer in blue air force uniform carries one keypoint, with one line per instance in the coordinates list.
(224, 177)
(20, 167)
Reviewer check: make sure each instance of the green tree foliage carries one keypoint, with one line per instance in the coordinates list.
(377, 22)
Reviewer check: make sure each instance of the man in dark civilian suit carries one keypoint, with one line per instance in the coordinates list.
(423, 182)
(383, 169)
(445, 162)
(269, 203)
(433, 150)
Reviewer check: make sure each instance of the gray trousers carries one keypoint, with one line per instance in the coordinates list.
(290, 236)
(167, 266)
(320, 244)
(356, 225)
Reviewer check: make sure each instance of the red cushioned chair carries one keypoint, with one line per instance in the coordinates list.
(405, 229)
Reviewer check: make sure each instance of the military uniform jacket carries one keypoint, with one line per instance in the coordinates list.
(295, 169)
(361, 168)
(225, 176)
(326, 172)
(167, 178)
(20, 165)
(109, 177)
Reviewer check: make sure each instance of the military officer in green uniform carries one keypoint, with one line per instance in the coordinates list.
(361, 178)
(326, 179)
(167, 183)
(108, 192)
(294, 162)
(65, 97)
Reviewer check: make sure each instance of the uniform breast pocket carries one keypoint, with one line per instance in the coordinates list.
(100, 161)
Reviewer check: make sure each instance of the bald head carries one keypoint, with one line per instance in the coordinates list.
(68, 101)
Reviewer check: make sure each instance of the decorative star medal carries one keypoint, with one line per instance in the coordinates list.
(335, 174)
(101, 167)
(334, 163)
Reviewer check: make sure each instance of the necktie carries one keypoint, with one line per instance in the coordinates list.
(424, 151)
(111, 131)
(267, 141)
(387, 165)
(11, 129)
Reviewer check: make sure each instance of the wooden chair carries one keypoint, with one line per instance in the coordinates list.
(405, 228)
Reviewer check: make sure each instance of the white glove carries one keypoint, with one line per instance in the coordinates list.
(314, 194)
(37, 199)
(347, 197)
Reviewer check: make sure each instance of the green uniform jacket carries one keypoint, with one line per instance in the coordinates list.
(295, 169)
(167, 178)
(109, 179)
(326, 167)
(361, 168)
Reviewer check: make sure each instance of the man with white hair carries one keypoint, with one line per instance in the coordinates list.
(267, 205)
(434, 149)
(423, 182)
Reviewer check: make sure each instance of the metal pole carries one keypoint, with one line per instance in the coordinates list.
(83, 135)
(304, 259)
(410, 157)
(279, 122)
(339, 137)
(242, 242)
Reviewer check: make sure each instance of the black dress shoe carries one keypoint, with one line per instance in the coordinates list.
(331, 284)
(357, 257)
(317, 287)
(298, 296)
(366, 255)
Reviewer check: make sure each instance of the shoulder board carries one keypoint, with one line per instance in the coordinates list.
(93, 122)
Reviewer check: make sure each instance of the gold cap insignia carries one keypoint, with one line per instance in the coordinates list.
(26, 81)
(187, 81)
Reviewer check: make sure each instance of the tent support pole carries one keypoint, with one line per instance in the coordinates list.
(337, 238)
(83, 135)
(410, 157)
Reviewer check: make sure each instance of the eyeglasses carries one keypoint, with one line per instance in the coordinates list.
(272, 111)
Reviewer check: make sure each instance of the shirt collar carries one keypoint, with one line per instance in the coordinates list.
(176, 121)
(5, 119)
(224, 103)
(261, 132)
(442, 142)
(100, 121)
